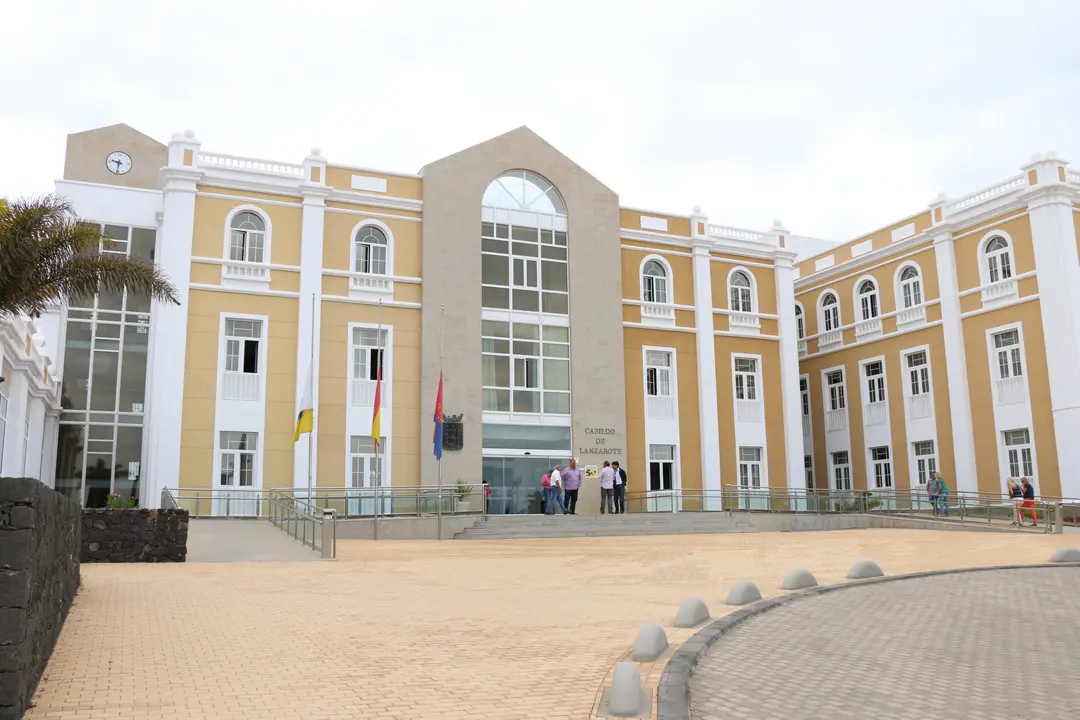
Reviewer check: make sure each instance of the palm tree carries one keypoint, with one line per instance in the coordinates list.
(48, 255)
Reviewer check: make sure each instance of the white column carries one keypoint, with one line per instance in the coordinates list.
(789, 369)
(1050, 208)
(168, 323)
(15, 387)
(709, 422)
(314, 192)
(967, 479)
(49, 429)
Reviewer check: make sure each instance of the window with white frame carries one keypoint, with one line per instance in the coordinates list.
(841, 464)
(868, 300)
(835, 382)
(830, 312)
(247, 237)
(525, 368)
(925, 461)
(1007, 346)
(879, 458)
(746, 378)
(750, 467)
(524, 268)
(741, 292)
(237, 459)
(661, 467)
(369, 348)
(657, 373)
(800, 322)
(875, 382)
(1019, 451)
(910, 287)
(242, 338)
(804, 393)
(998, 261)
(918, 373)
(808, 469)
(364, 471)
(370, 248)
(654, 282)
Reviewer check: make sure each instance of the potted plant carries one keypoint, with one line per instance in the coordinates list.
(118, 502)
(462, 494)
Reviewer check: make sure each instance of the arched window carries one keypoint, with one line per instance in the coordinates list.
(740, 291)
(800, 322)
(524, 190)
(868, 300)
(910, 287)
(654, 282)
(998, 261)
(830, 312)
(247, 237)
(371, 247)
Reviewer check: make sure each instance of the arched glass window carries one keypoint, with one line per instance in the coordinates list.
(247, 238)
(741, 296)
(524, 190)
(830, 312)
(371, 248)
(800, 322)
(654, 282)
(998, 262)
(910, 287)
(868, 299)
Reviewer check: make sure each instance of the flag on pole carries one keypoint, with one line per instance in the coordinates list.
(306, 419)
(376, 424)
(437, 440)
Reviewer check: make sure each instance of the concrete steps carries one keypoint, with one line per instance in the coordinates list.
(560, 526)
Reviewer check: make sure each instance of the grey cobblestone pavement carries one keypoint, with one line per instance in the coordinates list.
(992, 645)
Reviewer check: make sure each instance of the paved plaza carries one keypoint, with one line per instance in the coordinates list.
(503, 630)
(981, 646)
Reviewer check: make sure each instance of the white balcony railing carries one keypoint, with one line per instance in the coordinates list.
(659, 408)
(237, 270)
(744, 320)
(911, 315)
(736, 233)
(836, 420)
(240, 386)
(874, 413)
(806, 425)
(868, 327)
(1011, 390)
(1072, 176)
(1016, 182)
(748, 411)
(919, 406)
(370, 283)
(363, 393)
(802, 347)
(657, 311)
(830, 337)
(243, 164)
(999, 290)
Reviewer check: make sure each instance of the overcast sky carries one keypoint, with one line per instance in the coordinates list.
(836, 117)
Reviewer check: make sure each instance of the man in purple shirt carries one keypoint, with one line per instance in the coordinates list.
(571, 478)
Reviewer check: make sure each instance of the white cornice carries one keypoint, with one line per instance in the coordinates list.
(393, 203)
(874, 256)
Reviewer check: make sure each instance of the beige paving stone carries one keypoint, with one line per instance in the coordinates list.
(507, 630)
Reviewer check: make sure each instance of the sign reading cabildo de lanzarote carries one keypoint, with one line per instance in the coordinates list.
(601, 441)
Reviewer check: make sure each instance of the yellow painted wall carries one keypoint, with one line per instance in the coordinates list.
(338, 233)
(879, 239)
(764, 279)
(682, 269)
(1017, 226)
(208, 234)
(340, 178)
(631, 220)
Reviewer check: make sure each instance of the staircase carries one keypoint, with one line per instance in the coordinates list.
(506, 527)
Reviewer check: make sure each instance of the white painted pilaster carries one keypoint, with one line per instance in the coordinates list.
(1053, 235)
(967, 479)
(789, 369)
(168, 323)
(308, 333)
(706, 361)
(15, 387)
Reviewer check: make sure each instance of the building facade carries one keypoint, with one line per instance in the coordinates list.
(563, 324)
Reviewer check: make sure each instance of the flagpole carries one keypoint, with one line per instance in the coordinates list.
(442, 310)
(311, 373)
(378, 441)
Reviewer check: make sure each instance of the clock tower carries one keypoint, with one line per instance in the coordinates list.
(114, 155)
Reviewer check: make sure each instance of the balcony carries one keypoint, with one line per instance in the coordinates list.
(802, 347)
(868, 327)
(910, 316)
(874, 413)
(999, 291)
(748, 411)
(363, 393)
(806, 425)
(237, 270)
(829, 338)
(367, 282)
(743, 321)
(919, 406)
(657, 313)
(1011, 390)
(659, 407)
(836, 420)
(240, 386)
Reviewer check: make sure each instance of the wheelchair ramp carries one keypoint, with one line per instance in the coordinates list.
(226, 540)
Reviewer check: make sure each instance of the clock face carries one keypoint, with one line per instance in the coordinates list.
(118, 162)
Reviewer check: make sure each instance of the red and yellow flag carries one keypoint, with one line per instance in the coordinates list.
(375, 419)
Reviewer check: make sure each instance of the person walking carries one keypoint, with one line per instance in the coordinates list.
(620, 487)
(941, 490)
(555, 491)
(1029, 501)
(545, 490)
(1016, 496)
(931, 495)
(607, 488)
(571, 480)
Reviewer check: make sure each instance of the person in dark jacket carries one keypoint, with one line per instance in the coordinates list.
(620, 487)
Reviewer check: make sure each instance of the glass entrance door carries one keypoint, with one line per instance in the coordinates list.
(515, 482)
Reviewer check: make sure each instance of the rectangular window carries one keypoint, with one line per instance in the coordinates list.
(879, 456)
(527, 358)
(835, 381)
(368, 348)
(808, 468)
(1018, 447)
(657, 373)
(841, 470)
(925, 461)
(661, 467)
(918, 373)
(1008, 354)
(364, 472)
(804, 391)
(750, 467)
(745, 379)
(238, 459)
(242, 339)
(875, 382)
